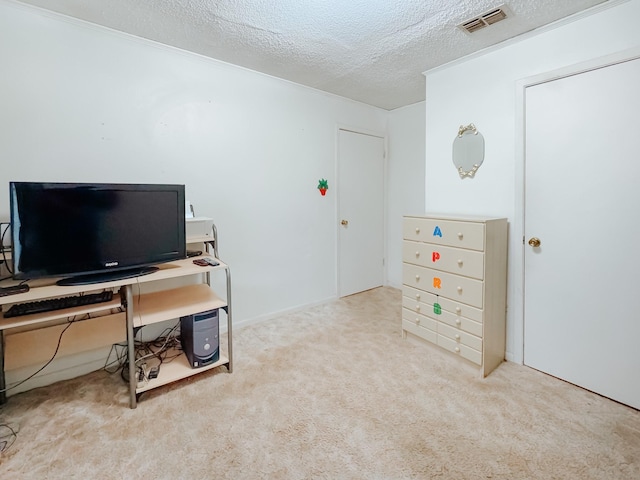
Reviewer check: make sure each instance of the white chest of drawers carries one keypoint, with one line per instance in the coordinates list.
(454, 279)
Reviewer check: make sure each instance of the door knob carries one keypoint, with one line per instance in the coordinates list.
(344, 222)
(534, 242)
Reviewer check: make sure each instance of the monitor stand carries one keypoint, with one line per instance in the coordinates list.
(102, 277)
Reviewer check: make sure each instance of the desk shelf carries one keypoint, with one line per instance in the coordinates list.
(177, 369)
(164, 305)
(41, 318)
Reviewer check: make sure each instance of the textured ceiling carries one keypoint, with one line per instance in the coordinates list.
(373, 51)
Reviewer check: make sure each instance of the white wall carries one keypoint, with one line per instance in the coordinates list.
(84, 103)
(405, 179)
(482, 90)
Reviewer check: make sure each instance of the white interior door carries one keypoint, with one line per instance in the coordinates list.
(582, 287)
(360, 212)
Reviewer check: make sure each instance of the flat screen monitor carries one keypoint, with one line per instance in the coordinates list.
(94, 232)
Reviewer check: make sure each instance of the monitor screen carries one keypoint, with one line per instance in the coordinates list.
(102, 230)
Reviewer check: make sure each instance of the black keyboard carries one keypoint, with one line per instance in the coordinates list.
(50, 304)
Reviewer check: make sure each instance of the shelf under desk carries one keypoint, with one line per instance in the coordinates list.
(164, 305)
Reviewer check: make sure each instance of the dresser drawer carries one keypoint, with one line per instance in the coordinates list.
(419, 320)
(462, 310)
(419, 325)
(460, 337)
(460, 349)
(461, 323)
(416, 306)
(444, 232)
(455, 287)
(420, 331)
(469, 263)
(418, 295)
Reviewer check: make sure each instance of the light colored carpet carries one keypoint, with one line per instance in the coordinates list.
(332, 392)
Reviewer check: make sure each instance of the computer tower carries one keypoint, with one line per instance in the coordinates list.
(199, 336)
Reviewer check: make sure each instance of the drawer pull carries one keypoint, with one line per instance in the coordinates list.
(417, 278)
(460, 261)
(459, 289)
(417, 296)
(457, 321)
(417, 231)
(417, 254)
(418, 307)
(457, 349)
(458, 310)
(460, 235)
(417, 321)
(457, 336)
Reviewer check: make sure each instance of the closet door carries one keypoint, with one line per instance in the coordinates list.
(361, 212)
(582, 201)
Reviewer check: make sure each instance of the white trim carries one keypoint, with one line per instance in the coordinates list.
(362, 131)
(270, 316)
(61, 368)
(518, 222)
(406, 106)
(169, 48)
(532, 33)
(385, 187)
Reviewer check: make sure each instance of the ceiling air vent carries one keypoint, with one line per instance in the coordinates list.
(484, 20)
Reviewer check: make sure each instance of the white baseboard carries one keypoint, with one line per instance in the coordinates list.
(64, 368)
(75, 365)
(262, 318)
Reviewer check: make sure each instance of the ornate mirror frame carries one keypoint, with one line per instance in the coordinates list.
(468, 150)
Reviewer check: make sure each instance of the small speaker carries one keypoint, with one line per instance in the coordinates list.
(199, 338)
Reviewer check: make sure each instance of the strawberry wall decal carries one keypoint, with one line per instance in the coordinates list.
(323, 186)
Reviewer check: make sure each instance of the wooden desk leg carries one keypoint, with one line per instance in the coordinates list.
(3, 385)
(131, 347)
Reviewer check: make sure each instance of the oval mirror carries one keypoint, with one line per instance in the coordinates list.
(468, 150)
